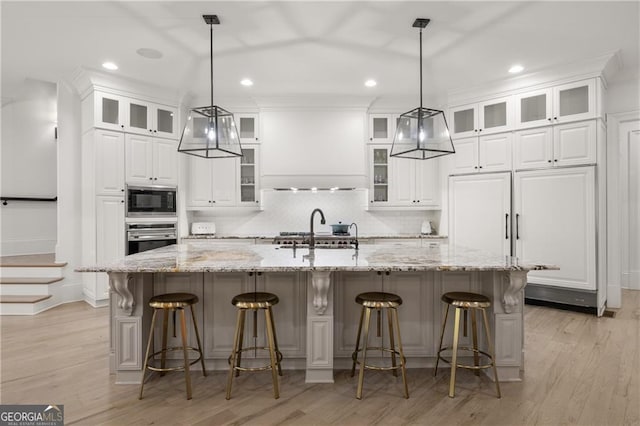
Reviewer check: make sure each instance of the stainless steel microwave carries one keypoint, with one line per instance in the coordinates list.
(151, 201)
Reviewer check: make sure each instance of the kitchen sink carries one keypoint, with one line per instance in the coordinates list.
(318, 247)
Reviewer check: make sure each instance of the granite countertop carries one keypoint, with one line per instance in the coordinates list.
(269, 237)
(202, 256)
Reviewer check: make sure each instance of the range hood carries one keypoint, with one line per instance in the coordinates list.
(313, 148)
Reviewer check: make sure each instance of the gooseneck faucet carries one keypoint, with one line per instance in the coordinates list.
(356, 225)
(312, 238)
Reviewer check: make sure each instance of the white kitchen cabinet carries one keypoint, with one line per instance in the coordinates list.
(147, 118)
(107, 111)
(559, 104)
(212, 182)
(487, 153)
(248, 126)
(553, 146)
(402, 182)
(110, 111)
(108, 162)
(415, 183)
(382, 128)
(249, 175)
(480, 212)
(379, 174)
(555, 223)
(492, 116)
(150, 160)
(110, 237)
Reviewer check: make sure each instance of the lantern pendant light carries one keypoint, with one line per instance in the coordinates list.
(422, 133)
(210, 131)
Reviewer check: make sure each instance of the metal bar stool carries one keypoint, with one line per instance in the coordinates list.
(255, 301)
(173, 302)
(377, 301)
(464, 302)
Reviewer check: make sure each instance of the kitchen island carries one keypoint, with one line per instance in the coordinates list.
(316, 318)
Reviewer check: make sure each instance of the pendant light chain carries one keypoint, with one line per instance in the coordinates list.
(211, 59)
(420, 68)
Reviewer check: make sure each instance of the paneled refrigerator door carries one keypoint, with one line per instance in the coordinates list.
(480, 212)
(555, 223)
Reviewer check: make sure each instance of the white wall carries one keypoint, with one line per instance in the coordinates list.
(290, 211)
(623, 96)
(28, 159)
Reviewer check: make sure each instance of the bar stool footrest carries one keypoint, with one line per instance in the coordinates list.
(172, 349)
(263, 368)
(354, 357)
(467, 366)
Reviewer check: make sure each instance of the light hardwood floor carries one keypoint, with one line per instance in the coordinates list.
(579, 370)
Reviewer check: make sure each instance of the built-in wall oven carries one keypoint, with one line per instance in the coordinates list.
(151, 201)
(147, 236)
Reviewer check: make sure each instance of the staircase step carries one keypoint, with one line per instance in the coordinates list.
(23, 298)
(31, 280)
(46, 260)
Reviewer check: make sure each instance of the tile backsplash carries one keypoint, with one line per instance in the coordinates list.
(290, 211)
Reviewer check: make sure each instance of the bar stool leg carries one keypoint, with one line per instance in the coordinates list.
(392, 341)
(165, 327)
(272, 353)
(146, 357)
(474, 334)
(367, 320)
(275, 341)
(234, 352)
(493, 356)
(240, 341)
(454, 359)
(355, 353)
(183, 332)
(195, 326)
(444, 323)
(403, 365)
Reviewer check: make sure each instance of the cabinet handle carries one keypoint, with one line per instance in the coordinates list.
(517, 226)
(549, 118)
(155, 131)
(549, 161)
(556, 160)
(256, 138)
(480, 130)
(155, 178)
(418, 201)
(150, 131)
(122, 201)
(122, 190)
(555, 118)
(370, 139)
(480, 166)
(122, 125)
(475, 167)
(150, 178)
(506, 226)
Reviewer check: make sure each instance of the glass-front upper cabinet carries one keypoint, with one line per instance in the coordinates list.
(109, 111)
(491, 116)
(249, 175)
(379, 179)
(165, 121)
(560, 104)
(140, 118)
(248, 127)
(381, 128)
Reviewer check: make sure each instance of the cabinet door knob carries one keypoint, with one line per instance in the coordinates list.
(122, 201)
(150, 178)
(475, 167)
(555, 160)
(122, 190)
(480, 166)
(555, 118)
(155, 178)
(418, 201)
(150, 131)
(371, 201)
(256, 138)
(549, 118)
(122, 125)
(480, 130)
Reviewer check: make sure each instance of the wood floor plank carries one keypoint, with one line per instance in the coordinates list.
(580, 370)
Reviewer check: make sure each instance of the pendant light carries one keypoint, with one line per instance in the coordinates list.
(422, 133)
(210, 131)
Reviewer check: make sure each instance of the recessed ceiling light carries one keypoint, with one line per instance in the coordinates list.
(149, 53)
(516, 69)
(246, 82)
(370, 83)
(110, 66)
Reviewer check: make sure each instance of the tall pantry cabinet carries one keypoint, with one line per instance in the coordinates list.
(126, 140)
(546, 208)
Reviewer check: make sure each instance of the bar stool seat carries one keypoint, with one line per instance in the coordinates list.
(378, 301)
(255, 301)
(466, 301)
(172, 302)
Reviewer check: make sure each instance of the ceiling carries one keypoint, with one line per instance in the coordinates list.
(308, 48)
